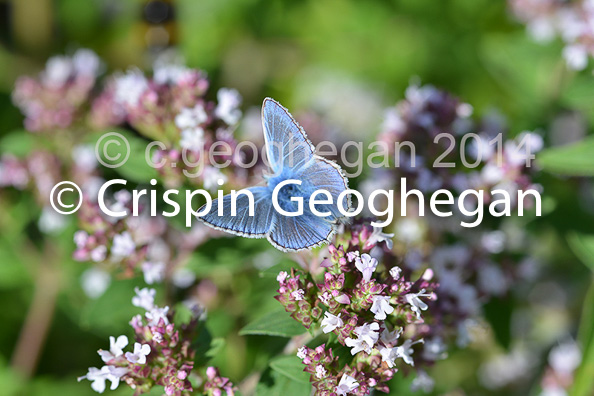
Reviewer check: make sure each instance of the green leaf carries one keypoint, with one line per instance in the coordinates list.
(19, 143)
(579, 94)
(291, 367)
(274, 383)
(583, 247)
(135, 168)
(586, 328)
(216, 347)
(527, 70)
(498, 311)
(277, 323)
(13, 272)
(110, 312)
(572, 160)
(584, 377)
(272, 272)
(11, 382)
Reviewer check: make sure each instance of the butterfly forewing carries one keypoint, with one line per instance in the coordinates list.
(287, 146)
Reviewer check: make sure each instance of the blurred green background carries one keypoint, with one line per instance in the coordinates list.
(299, 51)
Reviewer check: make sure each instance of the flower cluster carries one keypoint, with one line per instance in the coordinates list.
(430, 123)
(136, 242)
(564, 359)
(570, 20)
(215, 384)
(57, 97)
(371, 309)
(122, 241)
(470, 266)
(171, 107)
(162, 353)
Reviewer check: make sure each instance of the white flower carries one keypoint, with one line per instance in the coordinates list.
(298, 294)
(192, 138)
(389, 355)
(282, 276)
(352, 255)
(191, 117)
(157, 314)
(480, 148)
(86, 62)
(416, 304)
(58, 70)
(80, 238)
(367, 265)
(381, 307)
(183, 277)
(553, 390)
(576, 56)
(144, 298)
(357, 345)
(169, 73)
(494, 241)
(115, 348)
(99, 376)
(94, 282)
(390, 337)
(331, 322)
(99, 253)
(227, 108)
(123, 246)
(346, 385)
(140, 353)
(409, 230)
(325, 298)
(435, 349)
(395, 272)
(464, 110)
(51, 222)
(211, 176)
(153, 272)
(565, 358)
(302, 353)
(367, 336)
(533, 142)
(157, 337)
(320, 371)
(129, 87)
(393, 122)
(84, 157)
(541, 29)
(491, 279)
(422, 382)
(405, 351)
(378, 236)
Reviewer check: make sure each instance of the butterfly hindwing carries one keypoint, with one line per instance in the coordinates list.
(300, 232)
(242, 224)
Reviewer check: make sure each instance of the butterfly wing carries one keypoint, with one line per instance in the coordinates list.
(323, 174)
(300, 232)
(257, 226)
(287, 145)
(291, 156)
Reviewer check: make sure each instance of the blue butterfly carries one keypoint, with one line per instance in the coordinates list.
(291, 156)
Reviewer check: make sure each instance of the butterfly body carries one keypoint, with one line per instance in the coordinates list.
(296, 173)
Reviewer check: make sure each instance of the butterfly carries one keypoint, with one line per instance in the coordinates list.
(290, 155)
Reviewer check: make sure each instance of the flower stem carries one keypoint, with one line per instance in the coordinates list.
(39, 317)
